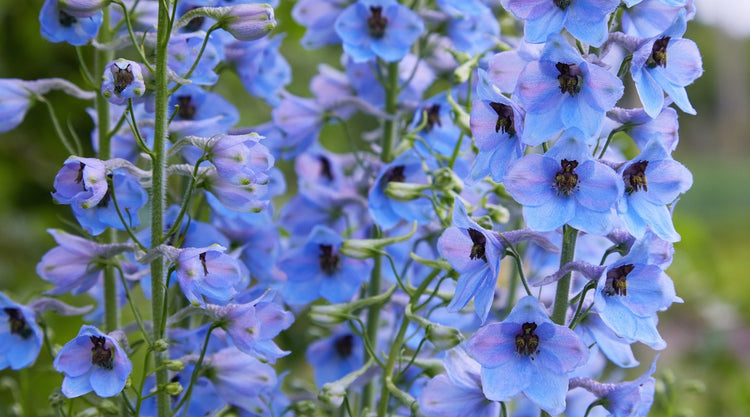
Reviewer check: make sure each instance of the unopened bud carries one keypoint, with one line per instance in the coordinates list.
(160, 345)
(498, 213)
(328, 315)
(404, 191)
(248, 22)
(82, 8)
(89, 412)
(175, 365)
(447, 180)
(56, 399)
(173, 388)
(443, 337)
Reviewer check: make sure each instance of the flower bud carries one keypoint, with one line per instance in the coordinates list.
(443, 337)
(160, 345)
(122, 80)
(328, 315)
(82, 8)
(175, 365)
(447, 180)
(56, 399)
(248, 22)
(173, 388)
(404, 191)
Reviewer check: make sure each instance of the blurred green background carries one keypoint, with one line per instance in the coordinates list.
(708, 335)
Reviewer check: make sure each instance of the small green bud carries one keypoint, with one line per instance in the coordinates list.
(175, 365)
(305, 408)
(56, 399)
(160, 345)
(443, 337)
(173, 388)
(328, 315)
(497, 213)
(447, 180)
(404, 191)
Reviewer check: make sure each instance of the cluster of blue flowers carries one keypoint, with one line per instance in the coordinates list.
(488, 248)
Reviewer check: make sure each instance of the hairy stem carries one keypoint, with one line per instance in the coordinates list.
(559, 313)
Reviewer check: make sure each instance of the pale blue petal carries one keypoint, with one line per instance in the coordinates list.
(550, 216)
(530, 180)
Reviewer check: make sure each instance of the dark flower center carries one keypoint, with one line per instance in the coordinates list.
(79, 176)
(329, 259)
(186, 107)
(635, 177)
(344, 345)
(100, 355)
(104, 202)
(433, 117)
(617, 283)
(325, 168)
(65, 19)
(17, 321)
(570, 78)
(562, 4)
(658, 55)
(202, 257)
(566, 180)
(395, 174)
(479, 241)
(504, 118)
(376, 23)
(123, 77)
(527, 343)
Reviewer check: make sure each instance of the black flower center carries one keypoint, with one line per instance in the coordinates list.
(186, 107)
(123, 77)
(376, 23)
(658, 55)
(395, 174)
(617, 283)
(325, 168)
(562, 4)
(202, 257)
(344, 345)
(504, 118)
(433, 117)
(65, 19)
(329, 259)
(527, 342)
(104, 202)
(79, 176)
(570, 78)
(479, 241)
(17, 321)
(635, 177)
(566, 179)
(100, 355)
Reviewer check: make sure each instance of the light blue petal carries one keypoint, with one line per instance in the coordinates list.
(649, 91)
(547, 390)
(550, 216)
(506, 381)
(530, 180)
(76, 386)
(537, 30)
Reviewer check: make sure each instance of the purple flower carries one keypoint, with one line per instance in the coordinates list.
(130, 197)
(92, 361)
(593, 330)
(20, 336)
(60, 26)
(666, 64)
(200, 113)
(122, 80)
(648, 18)
(458, 392)
(317, 269)
(335, 356)
(505, 67)
(318, 16)
(527, 353)
(652, 181)
(263, 71)
(81, 181)
(584, 19)
(474, 33)
(565, 185)
(562, 90)
(183, 51)
(240, 159)
(15, 101)
(378, 28)
(207, 275)
(440, 134)
(249, 22)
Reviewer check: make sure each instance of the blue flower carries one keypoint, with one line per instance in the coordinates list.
(527, 353)
(652, 181)
(15, 101)
(378, 28)
(335, 356)
(207, 275)
(130, 197)
(20, 336)
(387, 212)
(81, 181)
(92, 361)
(317, 269)
(562, 90)
(584, 19)
(642, 128)
(240, 379)
(184, 49)
(648, 18)
(440, 134)
(474, 33)
(122, 80)
(565, 185)
(59, 26)
(475, 254)
(200, 113)
(458, 392)
(666, 64)
(263, 71)
(593, 330)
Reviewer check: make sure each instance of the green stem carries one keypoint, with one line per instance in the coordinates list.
(391, 103)
(158, 203)
(390, 366)
(559, 313)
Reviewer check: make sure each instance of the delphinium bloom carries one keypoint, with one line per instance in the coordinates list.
(648, 18)
(335, 356)
(458, 392)
(263, 71)
(565, 185)
(318, 16)
(130, 197)
(122, 80)
(92, 361)
(200, 113)
(584, 19)
(317, 269)
(207, 275)
(592, 330)
(474, 32)
(440, 134)
(378, 28)
(15, 101)
(562, 90)
(642, 128)
(652, 181)
(497, 126)
(183, 51)
(60, 26)
(527, 353)
(666, 63)
(20, 336)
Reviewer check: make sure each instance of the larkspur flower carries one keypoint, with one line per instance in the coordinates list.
(200, 113)
(122, 80)
(474, 33)
(207, 275)
(648, 18)
(130, 197)
(249, 22)
(666, 63)
(562, 90)
(584, 19)
(335, 356)
(378, 28)
(184, 50)
(240, 379)
(92, 361)
(565, 186)
(60, 26)
(20, 335)
(15, 101)
(318, 16)
(527, 353)
(440, 134)
(81, 181)
(82, 8)
(263, 70)
(642, 128)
